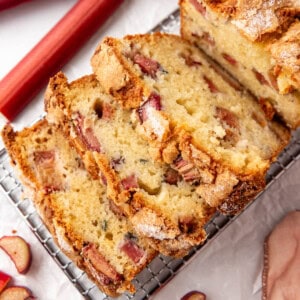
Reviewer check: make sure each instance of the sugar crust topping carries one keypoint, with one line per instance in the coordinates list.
(256, 18)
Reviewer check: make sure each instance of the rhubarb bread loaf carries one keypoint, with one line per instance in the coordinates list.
(75, 208)
(258, 42)
(208, 129)
(161, 207)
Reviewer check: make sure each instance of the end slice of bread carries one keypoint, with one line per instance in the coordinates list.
(75, 209)
(262, 55)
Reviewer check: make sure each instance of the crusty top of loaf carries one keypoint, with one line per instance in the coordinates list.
(286, 51)
(259, 17)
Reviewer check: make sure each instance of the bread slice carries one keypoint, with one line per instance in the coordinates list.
(162, 207)
(258, 42)
(75, 208)
(212, 132)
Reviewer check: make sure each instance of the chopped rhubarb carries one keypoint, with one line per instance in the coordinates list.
(47, 171)
(103, 179)
(189, 61)
(117, 162)
(260, 77)
(199, 7)
(229, 59)
(172, 176)
(228, 117)
(130, 182)
(267, 107)
(208, 39)
(91, 140)
(186, 169)
(103, 110)
(211, 85)
(153, 101)
(273, 80)
(132, 250)
(99, 263)
(191, 175)
(87, 135)
(48, 189)
(142, 113)
(44, 158)
(147, 65)
(116, 209)
(107, 111)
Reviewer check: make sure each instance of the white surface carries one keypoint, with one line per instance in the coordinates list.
(229, 267)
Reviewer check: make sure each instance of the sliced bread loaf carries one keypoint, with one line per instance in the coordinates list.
(210, 130)
(258, 42)
(160, 205)
(75, 208)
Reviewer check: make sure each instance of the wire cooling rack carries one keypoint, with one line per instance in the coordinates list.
(162, 268)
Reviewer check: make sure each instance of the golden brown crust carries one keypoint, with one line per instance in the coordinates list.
(243, 194)
(220, 186)
(18, 159)
(227, 8)
(257, 19)
(173, 241)
(109, 65)
(286, 52)
(273, 24)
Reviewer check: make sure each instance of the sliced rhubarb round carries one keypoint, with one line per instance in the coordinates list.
(18, 250)
(16, 293)
(194, 295)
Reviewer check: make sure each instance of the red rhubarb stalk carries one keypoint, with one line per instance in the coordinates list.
(25, 80)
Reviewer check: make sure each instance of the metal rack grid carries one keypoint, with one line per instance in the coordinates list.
(162, 268)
